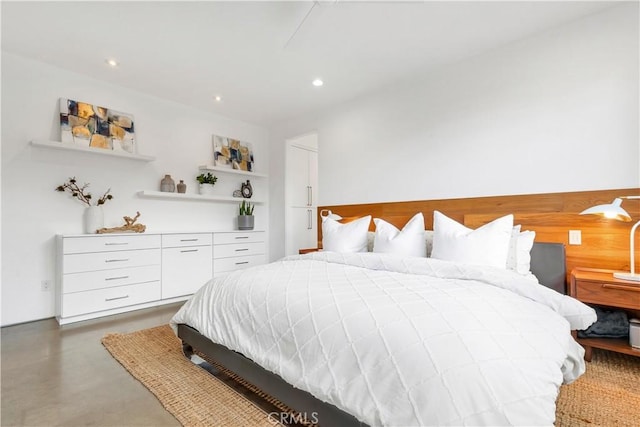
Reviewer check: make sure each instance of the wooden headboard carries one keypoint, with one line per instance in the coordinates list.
(605, 243)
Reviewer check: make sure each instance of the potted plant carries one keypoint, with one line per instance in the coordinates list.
(245, 216)
(206, 182)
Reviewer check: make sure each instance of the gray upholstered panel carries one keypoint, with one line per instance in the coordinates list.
(549, 266)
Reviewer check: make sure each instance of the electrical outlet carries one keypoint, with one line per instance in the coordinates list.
(45, 285)
(575, 237)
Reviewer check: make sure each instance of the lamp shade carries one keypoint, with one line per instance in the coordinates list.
(612, 210)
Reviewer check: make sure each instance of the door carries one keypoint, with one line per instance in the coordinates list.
(303, 221)
(298, 168)
(301, 193)
(313, 176)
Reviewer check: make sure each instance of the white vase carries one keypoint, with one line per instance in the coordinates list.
(93, 219)
(206, 189)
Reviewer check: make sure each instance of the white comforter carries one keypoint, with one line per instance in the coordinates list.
(401, 341)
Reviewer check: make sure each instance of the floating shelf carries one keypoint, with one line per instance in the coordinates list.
(192, 196)
(56, 145)
(232, 171)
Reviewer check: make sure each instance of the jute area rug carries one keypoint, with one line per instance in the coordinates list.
(606, 395)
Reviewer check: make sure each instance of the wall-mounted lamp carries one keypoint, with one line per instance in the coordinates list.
(326, 213)
(614, 210)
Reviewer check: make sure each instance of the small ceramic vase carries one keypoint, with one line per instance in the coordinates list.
(182, 187)
(167, 184)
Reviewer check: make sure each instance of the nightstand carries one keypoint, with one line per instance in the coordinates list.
(599, 287)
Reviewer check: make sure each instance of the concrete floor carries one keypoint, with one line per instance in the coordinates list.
(63, 376)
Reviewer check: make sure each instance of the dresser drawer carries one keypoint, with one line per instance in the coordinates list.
(76, 263)
(621, 295)
(104, 243)
(185, 270)
(91, 280)
(223, 265)
(181, 240)
(105, 299)
(238, 237)
(238, 249)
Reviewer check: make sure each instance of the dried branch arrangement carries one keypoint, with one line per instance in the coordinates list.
(81, 193)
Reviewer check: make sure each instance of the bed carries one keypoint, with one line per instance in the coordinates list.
(380, 339)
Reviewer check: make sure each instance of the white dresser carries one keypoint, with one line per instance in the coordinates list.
(101, 275)
(237, 250)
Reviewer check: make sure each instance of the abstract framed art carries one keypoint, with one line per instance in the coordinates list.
(232, 154)
(97, 127)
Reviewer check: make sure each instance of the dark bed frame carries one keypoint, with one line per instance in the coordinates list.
(547, 263)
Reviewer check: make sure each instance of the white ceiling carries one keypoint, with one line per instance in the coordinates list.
(258, 56)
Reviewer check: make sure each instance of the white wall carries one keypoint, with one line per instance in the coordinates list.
(551, 113)
(33, 213)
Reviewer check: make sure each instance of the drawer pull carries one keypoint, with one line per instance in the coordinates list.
(189, 250)
(116, 243)
(117, 278)
(622, 287)
(188, 240)
(116, 260)
(242, 237)
(242, 262)
(242, 250)
(116, 298)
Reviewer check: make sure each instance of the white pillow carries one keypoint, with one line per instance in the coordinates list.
(487, 245)
(525, 243)
(408, 242)
(349, 237)
(428, 240)
(512, 261)
(519, 258)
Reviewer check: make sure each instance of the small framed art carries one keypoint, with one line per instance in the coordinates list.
(232, 154)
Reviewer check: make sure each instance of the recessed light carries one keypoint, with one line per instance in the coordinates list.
(317, 82)
(111, 62)
(218, 98)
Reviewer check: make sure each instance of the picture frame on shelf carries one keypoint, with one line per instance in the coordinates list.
(229, 153)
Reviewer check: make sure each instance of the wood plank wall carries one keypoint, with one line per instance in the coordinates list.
(605, 243)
